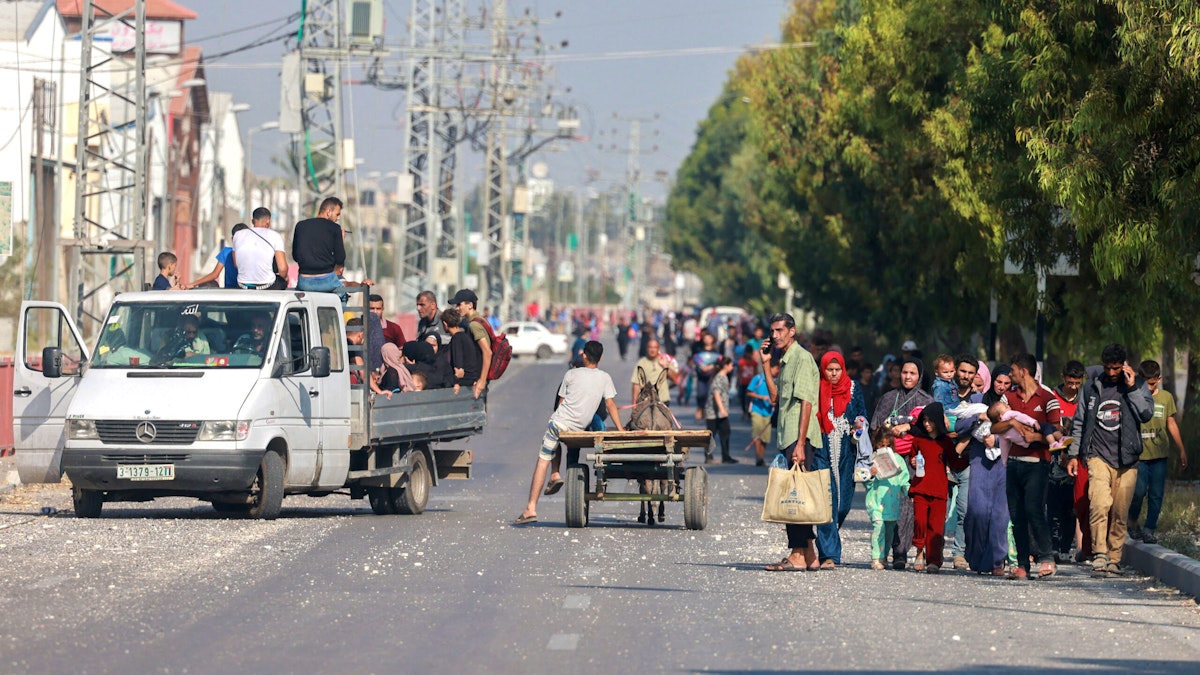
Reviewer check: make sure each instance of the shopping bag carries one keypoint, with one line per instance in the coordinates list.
(798, 497)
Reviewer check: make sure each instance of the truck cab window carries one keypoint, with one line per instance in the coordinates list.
(329, 320)
(293, 348)
(47, 327)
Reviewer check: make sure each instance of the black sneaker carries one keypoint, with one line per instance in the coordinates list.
(759, 462)
(728, 460)
(1148, 537)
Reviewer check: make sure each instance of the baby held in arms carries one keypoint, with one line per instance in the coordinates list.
(1001, 412)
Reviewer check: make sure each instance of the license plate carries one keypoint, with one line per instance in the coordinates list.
(146, 471)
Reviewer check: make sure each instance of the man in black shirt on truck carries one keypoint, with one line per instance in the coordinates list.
(318, 249)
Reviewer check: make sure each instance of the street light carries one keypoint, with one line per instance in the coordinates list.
(273, 124)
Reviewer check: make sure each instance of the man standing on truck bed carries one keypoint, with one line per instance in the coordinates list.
(580, 394)
(429, 328)
(318, 249)
(465, 301)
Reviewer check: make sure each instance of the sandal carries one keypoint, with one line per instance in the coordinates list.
(1017, 573)
(553, 487)
(828, 565)
(525, 520)
(1113, 570)
(784, 565)
(1047, 570)
(998, 572)
(919, 563)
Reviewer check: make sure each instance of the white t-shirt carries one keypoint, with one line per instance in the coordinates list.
(582, 392)
(254, 251)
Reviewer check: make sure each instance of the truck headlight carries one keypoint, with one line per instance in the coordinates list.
(223, 430)
(82, 430)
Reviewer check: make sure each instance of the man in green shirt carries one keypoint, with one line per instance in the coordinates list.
(795, 396)
(1156, 448)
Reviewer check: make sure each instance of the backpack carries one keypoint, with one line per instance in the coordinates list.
(501, 351)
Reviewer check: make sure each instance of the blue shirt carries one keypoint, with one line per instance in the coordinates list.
(161, 283)
(225, 257)
(758, 406)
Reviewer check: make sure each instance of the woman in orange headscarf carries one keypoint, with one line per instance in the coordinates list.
(839, 406)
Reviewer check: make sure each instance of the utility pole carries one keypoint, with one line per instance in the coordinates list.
(321, 146)
(497, 227)
(108, 247)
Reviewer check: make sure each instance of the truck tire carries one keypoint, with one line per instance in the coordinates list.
(381, 501)
(411, 499)
(577, 483)
(88, 503)
(544, 352)
(695, 498)
(267, 490)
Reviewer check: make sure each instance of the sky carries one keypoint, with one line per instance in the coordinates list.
(609, 85)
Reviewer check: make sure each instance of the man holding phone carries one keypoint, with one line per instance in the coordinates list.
(1113, 406)
(795, 397)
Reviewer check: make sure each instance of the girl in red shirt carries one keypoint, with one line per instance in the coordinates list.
(932, 449)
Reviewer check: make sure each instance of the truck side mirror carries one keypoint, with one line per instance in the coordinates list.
(52, 362)
(318, 360)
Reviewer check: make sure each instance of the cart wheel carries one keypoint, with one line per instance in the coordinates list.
(577, 482)
(695, 498)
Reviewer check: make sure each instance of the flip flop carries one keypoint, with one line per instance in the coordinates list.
(1047, 569)
(784, 565)
(553, 487)
(525, 520)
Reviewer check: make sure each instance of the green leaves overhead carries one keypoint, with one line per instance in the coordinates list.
(901, 150)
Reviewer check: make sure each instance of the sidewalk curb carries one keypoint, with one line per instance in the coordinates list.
(1168, 566)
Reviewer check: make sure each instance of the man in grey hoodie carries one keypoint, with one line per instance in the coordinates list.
(1113, 405)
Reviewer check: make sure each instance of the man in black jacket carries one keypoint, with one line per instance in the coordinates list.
(319, 250)
(1107, 433)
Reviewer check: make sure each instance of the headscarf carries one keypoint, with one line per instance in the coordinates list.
(934, 413)
(920, 372)
(990, 396)
(834, 397)
(987, 377)
(420, 352)
(391, 359)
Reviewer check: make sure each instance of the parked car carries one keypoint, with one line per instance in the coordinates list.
(532, 338)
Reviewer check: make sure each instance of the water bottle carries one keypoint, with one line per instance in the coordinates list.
(920, 465)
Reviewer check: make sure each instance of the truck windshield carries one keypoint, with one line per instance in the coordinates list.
(186, 335)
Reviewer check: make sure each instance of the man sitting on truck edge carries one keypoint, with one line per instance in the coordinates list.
(465, 301)
(580, 394)
(318, 250)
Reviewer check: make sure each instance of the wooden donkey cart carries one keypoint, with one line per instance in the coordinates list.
(652, 453)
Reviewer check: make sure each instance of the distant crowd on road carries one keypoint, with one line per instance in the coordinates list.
(1012, 476)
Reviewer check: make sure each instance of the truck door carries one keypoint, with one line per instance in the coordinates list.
(335, 397)
(40, 403)
(302, 410)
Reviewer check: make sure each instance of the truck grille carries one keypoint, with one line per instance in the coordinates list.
(145, 459)
(124, 432)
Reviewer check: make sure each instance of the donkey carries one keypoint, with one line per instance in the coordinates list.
(650, 414)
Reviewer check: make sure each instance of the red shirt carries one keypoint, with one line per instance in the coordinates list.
(1043, 407)
(1066, 409)
(393, 333)
(935, 451)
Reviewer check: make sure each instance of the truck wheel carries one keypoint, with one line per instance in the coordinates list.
(88, 503)
(544, 352)
(267, 490)
(695, 498)
(411, 499)
(577, 483)
(381, 501)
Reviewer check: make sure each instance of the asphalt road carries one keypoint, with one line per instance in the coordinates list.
(329, 587)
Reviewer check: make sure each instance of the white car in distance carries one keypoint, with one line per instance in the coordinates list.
(532, 338)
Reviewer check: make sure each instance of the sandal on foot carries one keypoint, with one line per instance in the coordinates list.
(553, 487)
(784, 565)
(525, 520)
(998, 572)
(828, 565)
(1113, 570)
(1017, 573)
(1048, 569)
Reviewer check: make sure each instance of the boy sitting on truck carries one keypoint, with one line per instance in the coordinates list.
(464, 354)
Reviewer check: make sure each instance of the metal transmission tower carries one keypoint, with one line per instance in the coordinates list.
(497, 228)
(429, 245)
(108, 250)
(322, 51)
